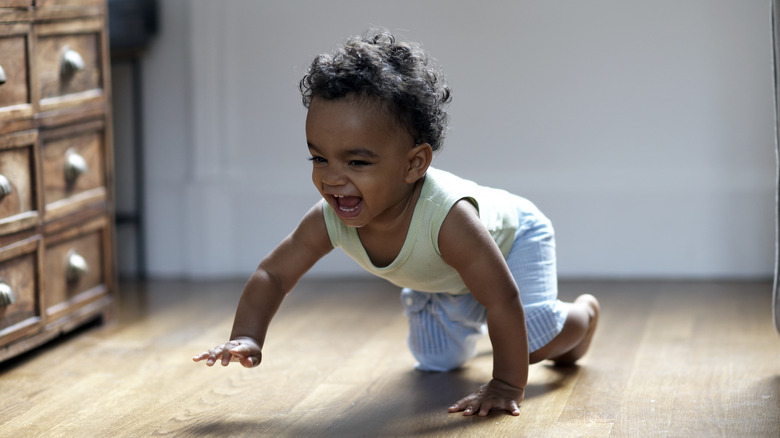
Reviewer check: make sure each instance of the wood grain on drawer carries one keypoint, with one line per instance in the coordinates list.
(19, 206)
(74, 173)
(74, 267)
(78, 43)
(19, 273)
(15, 97)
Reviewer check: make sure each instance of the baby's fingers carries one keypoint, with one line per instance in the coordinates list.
(465, 404)
(211, 356)
(487, 405)
(201, 356)
(208, 356)
(483, 401)
(243, 350)
(244, 354)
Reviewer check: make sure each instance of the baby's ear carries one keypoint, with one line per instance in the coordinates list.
(420, 158)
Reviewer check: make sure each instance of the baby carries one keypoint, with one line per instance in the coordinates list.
(468, 257)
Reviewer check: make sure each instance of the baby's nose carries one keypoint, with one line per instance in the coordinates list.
(333, 177)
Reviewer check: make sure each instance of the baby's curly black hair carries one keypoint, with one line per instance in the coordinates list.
(399, 74)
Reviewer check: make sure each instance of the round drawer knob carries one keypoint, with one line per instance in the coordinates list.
(7, 296)
(70, 62)
(3, 77)
(77, 267)
(75, 166)
(5, 187)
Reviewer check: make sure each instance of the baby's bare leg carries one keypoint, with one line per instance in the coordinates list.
(574, 339)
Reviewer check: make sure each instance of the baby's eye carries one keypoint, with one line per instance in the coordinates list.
(359, 163)
(318, 160)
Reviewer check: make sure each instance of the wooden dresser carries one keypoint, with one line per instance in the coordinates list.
(56, 170)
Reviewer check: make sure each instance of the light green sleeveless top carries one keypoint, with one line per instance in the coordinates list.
(419, 265)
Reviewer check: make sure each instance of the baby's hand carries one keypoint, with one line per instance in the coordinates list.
(494, 395)
(243, 350)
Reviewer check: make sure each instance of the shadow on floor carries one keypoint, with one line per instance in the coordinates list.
(423, 413)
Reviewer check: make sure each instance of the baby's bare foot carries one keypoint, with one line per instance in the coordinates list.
(591, 304)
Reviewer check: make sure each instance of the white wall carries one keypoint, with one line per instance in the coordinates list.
(645, 130)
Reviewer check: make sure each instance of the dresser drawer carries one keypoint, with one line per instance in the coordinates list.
(19, 205)
(74, 168)
(74, 263)
(15, 97)
(69, 62)
(19, 304)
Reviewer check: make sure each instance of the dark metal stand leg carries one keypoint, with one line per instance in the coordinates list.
(138, 155)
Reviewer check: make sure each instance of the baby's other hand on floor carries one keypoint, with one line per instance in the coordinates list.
(243, 350)
(494, 395)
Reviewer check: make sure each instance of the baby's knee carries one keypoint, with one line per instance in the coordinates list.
(441, 361)
(445, 355)
(438, 342)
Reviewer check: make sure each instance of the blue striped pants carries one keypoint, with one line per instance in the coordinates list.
(444, 328)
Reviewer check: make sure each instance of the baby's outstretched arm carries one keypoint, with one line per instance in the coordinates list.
(269, 284)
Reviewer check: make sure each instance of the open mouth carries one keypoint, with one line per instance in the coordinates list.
(347, 206)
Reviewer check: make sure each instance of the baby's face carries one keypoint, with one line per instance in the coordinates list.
(360, 159)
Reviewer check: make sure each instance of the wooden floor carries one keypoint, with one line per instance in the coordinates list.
(670, 359)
